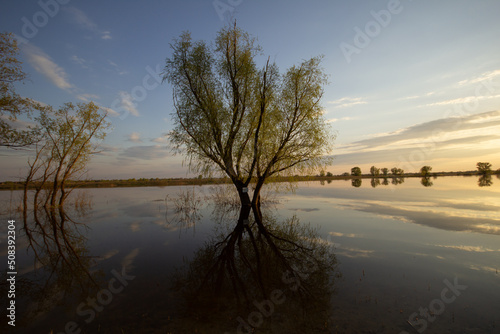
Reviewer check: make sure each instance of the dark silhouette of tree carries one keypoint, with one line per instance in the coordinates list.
(375, 182)
(63, 270)
(385, 171)
(397, 180)
(484, 180)
(425, 170)
(374, 171)
(257, 261)
(426, 182)
(356, 182)
(483, 167)
(356, 171)
(397, 171)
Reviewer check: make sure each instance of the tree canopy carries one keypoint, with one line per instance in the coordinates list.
(12, 104)
(246, 120)
(69, 137)
(483, 167)
(425, 170)
(356, 171)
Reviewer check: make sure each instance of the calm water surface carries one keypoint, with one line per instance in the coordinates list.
(411, 258)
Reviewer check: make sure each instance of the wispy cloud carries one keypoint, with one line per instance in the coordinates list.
(110, 111)
(454, 133)
(46, 66)
(87, 97)
(346, 102)
(485, 76)
(127, 103)
(80, 18)
(414, 97)
(333, 120)
(463, 100)
(80, 61)
(135, 137)
(117, 68)
(146, 152)
(161, 140)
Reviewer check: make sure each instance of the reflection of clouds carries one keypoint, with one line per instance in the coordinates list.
(109, 254)
(167, 225)
(479, 249)
(135, 226)
(347, 235)
(129, 259)
(485, 268)
(427, 255)
(437, 215)
(304, 209)
(354, 252)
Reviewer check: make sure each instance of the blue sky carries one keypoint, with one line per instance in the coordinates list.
(412, 83)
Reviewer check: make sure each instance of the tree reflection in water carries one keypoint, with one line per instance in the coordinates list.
(356, 182)
(274, 276)
(426, 181)
(61, 276)
(485, 180)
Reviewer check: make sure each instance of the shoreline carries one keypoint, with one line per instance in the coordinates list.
(157, 182)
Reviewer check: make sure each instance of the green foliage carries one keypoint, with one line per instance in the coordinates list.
(397, 171)
(425, 170)
(70, 135)
(241, 119)
(356, 171)
(11, 104)
(374, 171)
(329, 174)
(385, 171)
(483, 167)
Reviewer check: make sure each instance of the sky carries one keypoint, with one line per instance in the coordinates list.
(411, 83)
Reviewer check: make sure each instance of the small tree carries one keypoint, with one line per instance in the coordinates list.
(425, 170)
(68, 141)
(385, 171)
(374, 171)
(329, 174)
(355, 171)
(397, 171)
(483, 167)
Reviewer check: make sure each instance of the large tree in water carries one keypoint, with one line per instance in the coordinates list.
(244, 119)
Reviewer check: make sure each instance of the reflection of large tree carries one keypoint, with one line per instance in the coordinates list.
(62, 265)
(252, 268)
